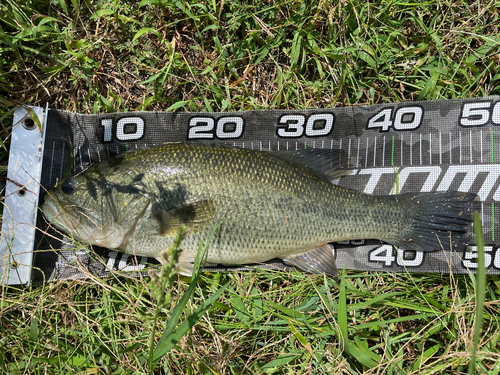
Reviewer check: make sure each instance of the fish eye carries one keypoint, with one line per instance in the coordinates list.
(69, 186)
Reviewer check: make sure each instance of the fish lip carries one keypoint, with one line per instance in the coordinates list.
(51, 211)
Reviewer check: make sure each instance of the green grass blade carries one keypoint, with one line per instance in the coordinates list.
(282, 360)
(480, 290)
(342, 312)
(179, 308)
(177, 312)
(363, 355)
(165, 345)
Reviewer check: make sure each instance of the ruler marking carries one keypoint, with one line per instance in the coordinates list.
(357, 153)
(349, 154)
(450, 146)
(491, 136)
(72, 153)
(90, 158)
(460, 145)
(52, 162)
(383, 154)
(374, 150)
(492, 221)
(81, 156)
(492, 203)
(430, 149)
(481, 144)
(340, 148)
(401, 148)
(440, 149)
(420, 148)
(411, 148)
(392, 151)
(366, 154)
(482, 212)
(470, 145)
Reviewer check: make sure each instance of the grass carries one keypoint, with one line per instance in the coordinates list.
(108, 56)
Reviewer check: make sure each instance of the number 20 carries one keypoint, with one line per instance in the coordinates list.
(203, 128)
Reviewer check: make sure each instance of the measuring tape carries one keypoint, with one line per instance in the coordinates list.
(392, 148)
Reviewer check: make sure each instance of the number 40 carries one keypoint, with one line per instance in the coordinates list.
(404, 118)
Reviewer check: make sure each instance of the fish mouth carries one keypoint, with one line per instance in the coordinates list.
(54, 212)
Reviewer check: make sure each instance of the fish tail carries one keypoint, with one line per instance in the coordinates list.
(436, 220)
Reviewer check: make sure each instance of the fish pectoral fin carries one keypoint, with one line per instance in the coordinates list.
(318, 260)
(192, 215)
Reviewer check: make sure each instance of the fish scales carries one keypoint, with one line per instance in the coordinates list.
(257, 205)
(263, 206)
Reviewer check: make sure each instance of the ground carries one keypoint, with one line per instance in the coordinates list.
(109, 56)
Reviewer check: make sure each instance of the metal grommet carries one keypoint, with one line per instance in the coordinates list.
(29, 124)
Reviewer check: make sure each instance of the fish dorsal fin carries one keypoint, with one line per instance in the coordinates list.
(193, 215)
(318, 260)
(329, 163)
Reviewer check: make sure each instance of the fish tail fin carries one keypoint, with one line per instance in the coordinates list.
(438, 220)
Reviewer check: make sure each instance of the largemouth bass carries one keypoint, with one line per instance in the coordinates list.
(258, 205)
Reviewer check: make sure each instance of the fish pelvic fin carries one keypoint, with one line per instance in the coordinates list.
(318, 260)
(441, 220)
(184, 265)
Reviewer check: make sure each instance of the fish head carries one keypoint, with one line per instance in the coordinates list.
(84, 206)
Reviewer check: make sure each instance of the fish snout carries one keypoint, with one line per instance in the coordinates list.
(62, 217)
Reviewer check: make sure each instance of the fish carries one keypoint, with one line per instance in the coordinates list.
(246, 206)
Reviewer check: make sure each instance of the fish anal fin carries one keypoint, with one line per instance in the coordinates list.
(192, 215)
(318, 260)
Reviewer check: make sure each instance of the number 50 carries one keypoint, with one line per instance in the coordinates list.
(478, 114)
